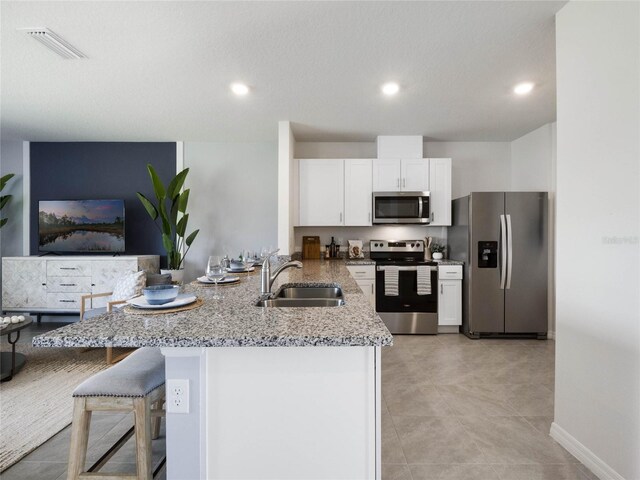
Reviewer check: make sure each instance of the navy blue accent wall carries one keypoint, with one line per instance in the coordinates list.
(102, 170)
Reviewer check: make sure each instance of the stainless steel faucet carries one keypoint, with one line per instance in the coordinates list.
(267, 279)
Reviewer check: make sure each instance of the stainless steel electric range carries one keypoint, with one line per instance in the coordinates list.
(410, 311)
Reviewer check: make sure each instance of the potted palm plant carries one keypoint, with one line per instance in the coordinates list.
(171, 204)
(4, 199)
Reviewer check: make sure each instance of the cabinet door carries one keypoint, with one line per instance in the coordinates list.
(415, 175)
(440, 188)
(321, 192)
(386, 175)
(368, 287)
(449, 302)
(24, 283)
(357, 192)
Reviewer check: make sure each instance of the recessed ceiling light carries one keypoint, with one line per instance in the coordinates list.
(523, 88)
(239, 89)
(390, 88)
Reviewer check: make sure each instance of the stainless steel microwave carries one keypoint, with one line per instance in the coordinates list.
(401, 207)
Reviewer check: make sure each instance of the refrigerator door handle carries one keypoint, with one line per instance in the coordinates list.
(503, 252)
(509, 251)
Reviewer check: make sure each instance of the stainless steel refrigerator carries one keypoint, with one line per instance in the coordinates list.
(502, 239)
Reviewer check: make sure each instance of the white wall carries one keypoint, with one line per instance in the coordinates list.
(11, 233)
(531, 157)
(233, 200)
(597, 391)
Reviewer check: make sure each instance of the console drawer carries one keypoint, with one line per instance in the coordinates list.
(68, 284)
(70, 268)
(64, 301)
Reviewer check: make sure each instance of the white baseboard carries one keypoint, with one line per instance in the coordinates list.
(582, 453)
(551, 334)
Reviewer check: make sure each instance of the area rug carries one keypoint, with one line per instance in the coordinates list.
(36, 404)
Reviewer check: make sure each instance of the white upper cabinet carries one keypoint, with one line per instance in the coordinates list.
(357, 191)
(386, 175)
(395, 175)
(415, 174)
(440, 188)
(321, 192)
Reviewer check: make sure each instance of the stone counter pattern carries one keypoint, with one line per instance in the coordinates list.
(236, 322)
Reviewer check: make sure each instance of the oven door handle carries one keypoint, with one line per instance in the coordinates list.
(414, 268)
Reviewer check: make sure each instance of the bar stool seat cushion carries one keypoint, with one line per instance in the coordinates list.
(135, 376)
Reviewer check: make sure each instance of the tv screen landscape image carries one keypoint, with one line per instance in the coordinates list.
(73, 226)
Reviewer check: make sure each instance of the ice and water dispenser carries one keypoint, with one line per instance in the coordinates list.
(487, 254)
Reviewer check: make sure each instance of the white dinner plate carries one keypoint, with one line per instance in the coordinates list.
(181, 300)
(240, 270)
(228, 279)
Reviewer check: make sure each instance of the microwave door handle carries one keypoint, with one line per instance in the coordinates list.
(420, 207)
(503, 252)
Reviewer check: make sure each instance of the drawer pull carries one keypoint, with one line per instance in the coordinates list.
(67, 284)
(68, 301)
(68, 268)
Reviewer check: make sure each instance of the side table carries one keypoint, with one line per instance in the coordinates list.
(12, 362)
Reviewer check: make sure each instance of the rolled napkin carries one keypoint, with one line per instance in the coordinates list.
(424, 280)
(391, 281)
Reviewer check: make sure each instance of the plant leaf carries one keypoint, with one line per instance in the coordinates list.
(173, 190)
(149, 207)
(174, 210)
(183, 201)
(181, 227)
(166, 225)
(4, 200)
(168, 245)
(3, 221)
(191, 238)
(5, 179)
(158, 187)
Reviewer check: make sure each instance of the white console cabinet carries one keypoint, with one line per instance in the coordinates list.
(55, 284)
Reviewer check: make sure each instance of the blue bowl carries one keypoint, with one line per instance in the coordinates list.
(160, 294)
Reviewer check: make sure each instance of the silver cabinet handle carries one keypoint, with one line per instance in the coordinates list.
(398, 182)
(340, 217)
(372, 289)
(68, 268)
(404, 182)
(441, 289)
(369, 217)
(67, 284)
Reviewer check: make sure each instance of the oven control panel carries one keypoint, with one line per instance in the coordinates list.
(399, 246)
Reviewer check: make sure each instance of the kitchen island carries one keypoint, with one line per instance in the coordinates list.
(281, 393)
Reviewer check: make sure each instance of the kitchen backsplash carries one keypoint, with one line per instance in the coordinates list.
(378, 232)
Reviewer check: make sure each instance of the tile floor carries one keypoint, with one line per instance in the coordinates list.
(453, 408)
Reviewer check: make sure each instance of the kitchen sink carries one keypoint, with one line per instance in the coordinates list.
(300, 302)
(310, 292)
(303, 296)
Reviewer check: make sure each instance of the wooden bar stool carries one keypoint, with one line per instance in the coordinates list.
(136, 384)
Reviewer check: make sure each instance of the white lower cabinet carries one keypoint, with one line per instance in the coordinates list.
(34, 284)
(450, 295)
(365, 276)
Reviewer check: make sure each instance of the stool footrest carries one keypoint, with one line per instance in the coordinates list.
(112, 451)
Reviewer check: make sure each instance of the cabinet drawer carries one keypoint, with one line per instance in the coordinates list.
(362, 271)
(68, 284)
(64, 301)
(61, 268)
(450, 272)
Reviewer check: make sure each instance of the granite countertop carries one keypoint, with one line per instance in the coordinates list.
(236, 322)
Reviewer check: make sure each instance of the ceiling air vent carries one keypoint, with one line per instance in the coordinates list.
(54, 42)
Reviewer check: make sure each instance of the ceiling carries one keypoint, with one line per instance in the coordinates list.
(160, 71)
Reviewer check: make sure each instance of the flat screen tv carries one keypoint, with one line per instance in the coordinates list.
(75, 226)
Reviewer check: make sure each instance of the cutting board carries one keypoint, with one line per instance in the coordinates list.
(311, 248)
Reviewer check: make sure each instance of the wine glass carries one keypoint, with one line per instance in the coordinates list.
(215, 272)
(247, 259)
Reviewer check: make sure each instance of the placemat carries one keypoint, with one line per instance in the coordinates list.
(143, 311)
